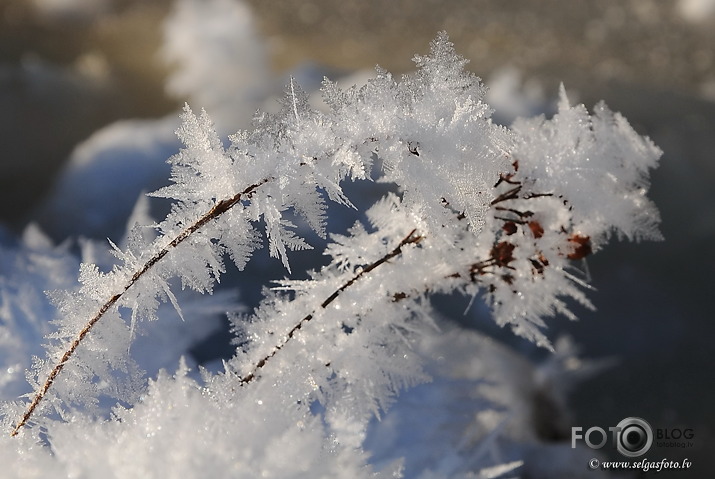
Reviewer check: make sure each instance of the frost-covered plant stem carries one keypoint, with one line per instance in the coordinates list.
(220, 208)
(411, 238)
(491, 210)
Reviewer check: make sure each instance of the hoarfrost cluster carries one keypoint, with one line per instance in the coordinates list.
(506, 214)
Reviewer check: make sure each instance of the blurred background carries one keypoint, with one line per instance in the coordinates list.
(90, 90)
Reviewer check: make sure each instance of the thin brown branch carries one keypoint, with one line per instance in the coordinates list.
(411, 238)
(528, 196)
(507, 179)
(512, 220)
(507, 195)
(217, 210)
(520, 214)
